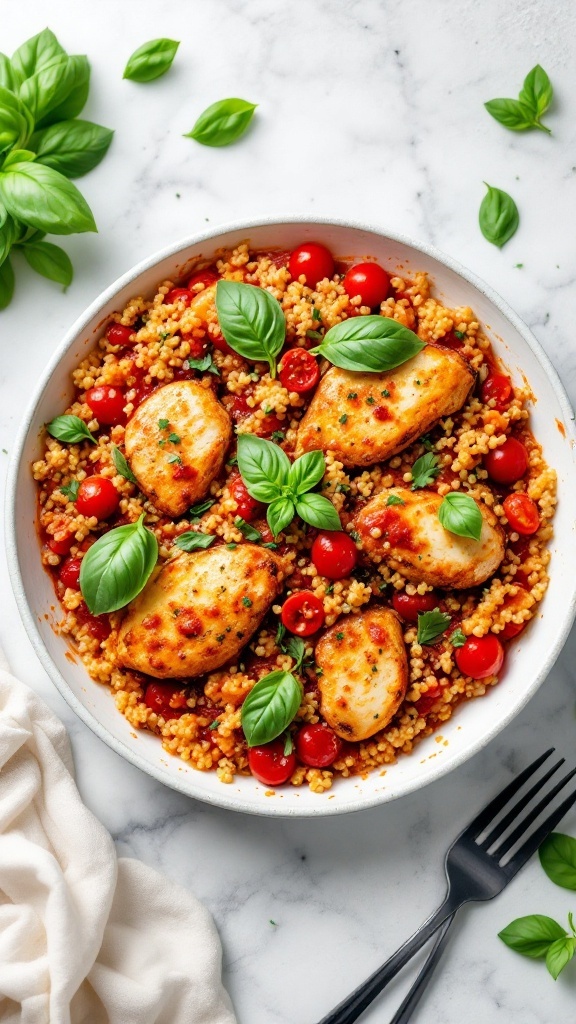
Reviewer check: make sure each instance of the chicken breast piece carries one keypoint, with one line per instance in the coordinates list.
(364, 672)
(411, 539)
(198, 610)
(366, 417)
(176, 442)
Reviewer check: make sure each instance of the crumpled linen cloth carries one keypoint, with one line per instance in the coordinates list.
(85, 937)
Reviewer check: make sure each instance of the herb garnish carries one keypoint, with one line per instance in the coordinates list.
(391, 344)
(196, 511)
(393, 499)
(460, 514)
(121, 465)
(251, 320)
(498, 216)
(424, 470)
(247, 531)
(525, 112)
(223, 122)
(431, 626)
(206, 363)
(192, 540)
(457, 639)
(116, 568)
(70, 491)
(70, 429)
(542, 938)
(151, 60)
(558, 858)
(270, 707)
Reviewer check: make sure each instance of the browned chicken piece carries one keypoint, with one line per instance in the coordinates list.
(366, 417)
(176, 442)
(411, 539)
(364, 672)
(198, 610)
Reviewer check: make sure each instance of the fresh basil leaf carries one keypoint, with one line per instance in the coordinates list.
(280, 514)
(537, 93)
(296, 648)
(559, 954)
(498, 216)
(270, 707)
(558, 858)
(251, 321)
(117, 567)
(48, 87)
(247, 531)
(460, 514)
(70, 491)
(424, 470)
(151, 60)
(122, 466)
(50, 261)
(393, 499)
(532, 935)
(196, 511)
(16, 123)
(35, 53)
(6, 283)
(71, 147)
(75, 101)
(511, 113)
(318, 511)
(431, 626)
(70, 429)
(457, 639)
(288, 748)
(306, 472)
(45, 199)
(222, 122)
(17, 156)
(203, 364)
(370, 344)
(8, 235)
(7, 75)
(264, 467)
(191, 540)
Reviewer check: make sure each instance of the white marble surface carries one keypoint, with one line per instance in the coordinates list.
(370, 110)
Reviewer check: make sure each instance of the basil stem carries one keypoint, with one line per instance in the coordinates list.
(222, 122)
(498, 216)
(369, 344)
(117, 567)
(151, 60)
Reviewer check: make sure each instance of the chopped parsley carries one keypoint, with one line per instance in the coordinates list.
(163, 424)
(431, 626)
(231, 547)
(214, 725)
(316, 314)
(393, 499)
(70, 490)
(460, 335)
(343, 418)
(278, 435)
(352, 395)
(424, 470)
(370, 400)
(174, 439)
(342, 488)
(246, 602)
(176, 459)
(385, 393)
(339, 636)
(457, 639)
(247, 531)
(205, 363)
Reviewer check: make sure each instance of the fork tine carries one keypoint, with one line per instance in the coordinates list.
(482, 820)
(538, 837)
(501, 827)
(520, 830)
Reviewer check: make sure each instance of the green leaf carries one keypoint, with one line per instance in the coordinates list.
(70, 491)
(191, 540)
(222, 122)
(288, 748)
(270, 707)
(251, 321)
(264, 467)
(460, 514)
(50, 261)
(431, 626)
(198, 510)
(117, 567)
(7, 76)
(558, 858)
(457, 639)
(16, 123)
(498, 216)
(318, 511)
(370, 344)
(296, 648)
(6, 283)
(8, 235)
(71, 147)
(424, 470)
(122, 466)
(70, 429)
(151, 60)
(537, 91)
(511, 113)
(48, 87)
(247, 531)
(532, 935)
(559, 954)
(393, 499)
(203, 364)
(280, 514)
(75, 101)
(306, 472)
(35, 53)
(17, 156)
(45, 199)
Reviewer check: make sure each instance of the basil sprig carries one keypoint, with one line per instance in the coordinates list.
(558, 858)
(525, 112)
(460, 514)
(498, 216)
(542, 938)
(151, 60)
(251, 321)
(370, 344)
(70, 429)
(269, 477)
(222, 122)
(117, 567)
(270, 707)
(431, 626)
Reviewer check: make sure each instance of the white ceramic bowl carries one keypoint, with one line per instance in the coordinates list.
(474, 723)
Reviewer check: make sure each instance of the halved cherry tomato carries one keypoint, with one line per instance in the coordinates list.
(62, 546)
(178, 295)
(318, 745)
(118, 334)
(270, 765)
(522, 513)
(98, 497)
(480, 656)
(409, 606)
(511, 629)
(313, 261)
(219, 342)
(299, 371)
(268, 425)
(107, 403)
(498, 387)
(69, 573)
(205, 277)
(508, 463)
(158, 697)
(369, 281)
(303, 613)
(334, 554)
(248, 507)
(98, 625)
(426, 702)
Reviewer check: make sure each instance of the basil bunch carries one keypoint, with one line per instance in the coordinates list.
(271, 478)
(460, 514)
(270, 707)
(42, 145)
(222, 122)
(117, 567)
(533, 101)
(498, 216)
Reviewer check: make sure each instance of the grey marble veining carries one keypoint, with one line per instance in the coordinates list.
(370, 110)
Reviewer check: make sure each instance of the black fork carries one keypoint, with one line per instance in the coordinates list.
(474, 870)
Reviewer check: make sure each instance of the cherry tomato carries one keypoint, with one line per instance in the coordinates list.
(176, 294)
(334, 554)
(268, 425)
(303, 613)
(480, 656)
(222, 345)
(409, 606)
(98, 625)
(158, 696)
(511, 629)
(299, 371)
(69, 573)
(369, 281)
(318, 745)
(248, 507)
(205, 277)
(426, 702)
(498, 387)
(118, 334)
(522, 513)
(270, 765)
(62, 546)
(312, 261)
(508, 463)
(98, 497)
(107, 403)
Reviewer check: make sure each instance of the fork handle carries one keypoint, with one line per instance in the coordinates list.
(405, 1011)
(354, 1005)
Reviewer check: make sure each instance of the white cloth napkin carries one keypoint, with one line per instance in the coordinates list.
(86, 938)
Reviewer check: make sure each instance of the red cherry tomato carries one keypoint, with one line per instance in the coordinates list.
(318, 745)
(158, 696)
(221, 344)
(69, 573)
(98, 497)
(334, 554)
(107, 403)
(498, 387)
(511, 629)
(98, 625)
(303, 613)
(409, 606)
(313, 261)
(62, 546)
(299, 371)
(508, 463)
(178, 294)
(369, 281)
(248, 507)
(118, 334)
(269, 424)
(522, 513)
(480, 656)
(270, 765)
(205, 277)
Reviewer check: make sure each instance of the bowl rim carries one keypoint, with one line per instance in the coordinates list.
(268, 808)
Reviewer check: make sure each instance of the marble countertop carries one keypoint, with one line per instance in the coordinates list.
(369, 110)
